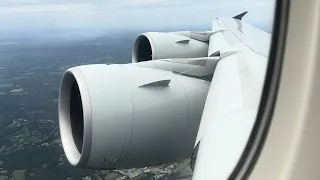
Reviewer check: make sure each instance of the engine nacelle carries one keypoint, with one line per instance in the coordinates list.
(202, 68)
(157, 45)
(122, 116)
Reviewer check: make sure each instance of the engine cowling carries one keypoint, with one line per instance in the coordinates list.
(157, 45)
(124, 116)
(202, 68)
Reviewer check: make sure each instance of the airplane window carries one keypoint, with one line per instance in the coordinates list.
(128, 89)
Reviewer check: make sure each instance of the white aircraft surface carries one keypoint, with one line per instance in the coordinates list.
(185, 94)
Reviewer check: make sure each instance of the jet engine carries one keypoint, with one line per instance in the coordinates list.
(127, 116)
(157, 45)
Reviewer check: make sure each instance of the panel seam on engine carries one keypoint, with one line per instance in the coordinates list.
(132, 124)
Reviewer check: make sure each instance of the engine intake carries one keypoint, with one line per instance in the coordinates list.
(156, 45)
(124, 116)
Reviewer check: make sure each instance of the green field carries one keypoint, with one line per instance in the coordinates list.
(112, 176)
(3, 177)
(19, 174)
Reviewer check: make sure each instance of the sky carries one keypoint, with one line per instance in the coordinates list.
(31, 16)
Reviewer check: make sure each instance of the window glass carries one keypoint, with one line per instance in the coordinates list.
(140, 113)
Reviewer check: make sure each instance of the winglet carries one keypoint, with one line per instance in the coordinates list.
(240, 16)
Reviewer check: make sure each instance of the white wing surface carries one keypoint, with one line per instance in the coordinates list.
(233, 97)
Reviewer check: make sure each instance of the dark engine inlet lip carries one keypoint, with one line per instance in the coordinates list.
(75, 157)
(135, 59)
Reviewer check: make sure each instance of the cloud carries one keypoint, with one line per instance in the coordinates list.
(139, 2)
(128, 14)
(47, 8)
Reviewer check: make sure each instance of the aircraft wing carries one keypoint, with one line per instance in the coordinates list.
(233, 98)
(181, 88)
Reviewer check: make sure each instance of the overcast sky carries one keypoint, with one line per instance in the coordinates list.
(31, 15)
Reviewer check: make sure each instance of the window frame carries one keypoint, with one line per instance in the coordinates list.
(260, 129)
